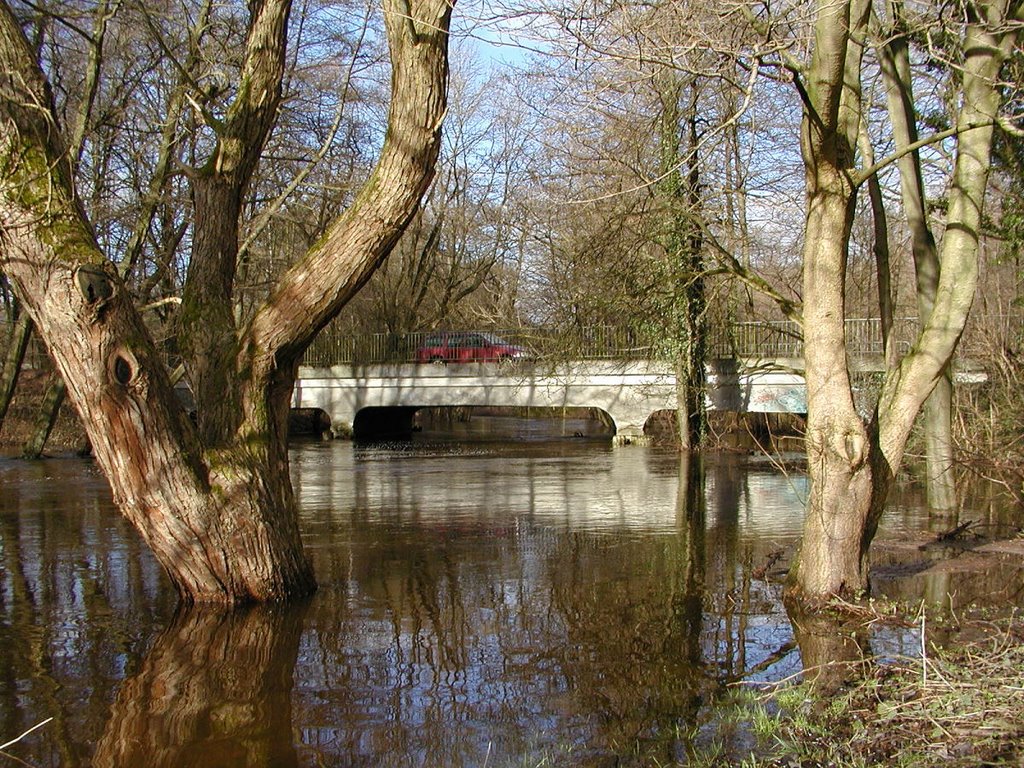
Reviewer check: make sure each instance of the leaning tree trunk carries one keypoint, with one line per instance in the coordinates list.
(219, 518)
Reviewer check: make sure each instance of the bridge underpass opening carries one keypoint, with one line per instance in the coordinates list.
(462, 422)
(308, 422)
(384, 422)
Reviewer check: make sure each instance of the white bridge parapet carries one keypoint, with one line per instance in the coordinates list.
(629, 392)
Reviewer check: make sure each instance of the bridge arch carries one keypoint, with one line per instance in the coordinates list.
(628, 391)
(384, 421)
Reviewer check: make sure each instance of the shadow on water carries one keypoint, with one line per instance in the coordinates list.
(481, 604)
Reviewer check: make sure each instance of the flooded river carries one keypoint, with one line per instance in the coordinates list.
(481, 603)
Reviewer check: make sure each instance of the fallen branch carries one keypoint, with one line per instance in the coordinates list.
(952, 533)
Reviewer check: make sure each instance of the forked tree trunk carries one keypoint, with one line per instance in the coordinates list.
(852, 468)
(990, 36)
(220, 517)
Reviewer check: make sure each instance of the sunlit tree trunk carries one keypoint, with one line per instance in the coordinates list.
(990, 35)
(852, 467)
(938, 422)
(214, 504)
(839, 499)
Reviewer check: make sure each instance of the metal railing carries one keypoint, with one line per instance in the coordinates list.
(592, 343)
(764, 339)
(784, 338)
(769, 339)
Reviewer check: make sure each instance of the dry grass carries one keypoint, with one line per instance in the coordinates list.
(958, 706)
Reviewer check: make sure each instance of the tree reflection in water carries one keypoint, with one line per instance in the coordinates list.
(215, 689)
(545, 641)
(505, 605)
(833, 650)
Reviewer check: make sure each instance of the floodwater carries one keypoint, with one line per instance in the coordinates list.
(517, 603)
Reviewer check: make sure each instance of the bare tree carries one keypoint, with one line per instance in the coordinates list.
(852, 465)
(820, 53)
(215, 502)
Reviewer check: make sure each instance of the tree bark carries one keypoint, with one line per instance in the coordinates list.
(830, 559)
(214, 504)
(852, 468)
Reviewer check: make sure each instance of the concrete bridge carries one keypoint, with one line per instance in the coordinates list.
(361, 396)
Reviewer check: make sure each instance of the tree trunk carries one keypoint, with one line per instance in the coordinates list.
(938, 423)
(20, 337)
(830, 559)
(940, 478)
(851, 469)
(988, 40)
(220, 515)
(683, 242)
(46, 417)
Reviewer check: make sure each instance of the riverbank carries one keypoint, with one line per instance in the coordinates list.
(956, 704)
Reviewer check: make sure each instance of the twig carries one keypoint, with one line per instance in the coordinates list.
(924, 652)
(952, 533)
(26, 733)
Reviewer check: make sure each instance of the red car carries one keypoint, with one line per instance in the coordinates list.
(466, 347)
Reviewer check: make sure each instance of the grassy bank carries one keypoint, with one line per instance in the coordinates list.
(959, 705)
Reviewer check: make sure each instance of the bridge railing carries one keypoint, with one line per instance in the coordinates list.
(749, 339)
(591, 343)
(784, 338)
